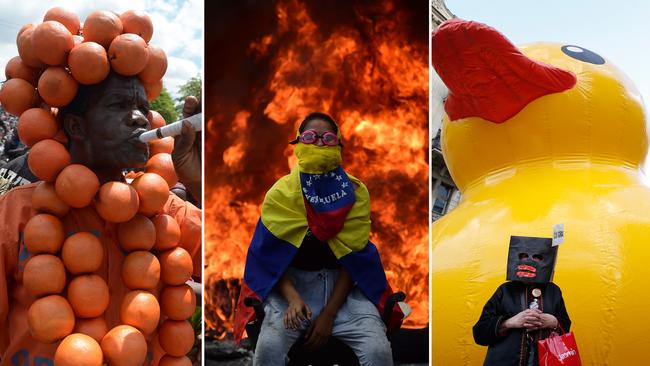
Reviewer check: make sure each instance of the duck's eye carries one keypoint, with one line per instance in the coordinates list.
(583, 55)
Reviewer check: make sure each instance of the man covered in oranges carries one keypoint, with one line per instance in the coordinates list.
(94, 268)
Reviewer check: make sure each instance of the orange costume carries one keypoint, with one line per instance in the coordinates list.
(17, 347)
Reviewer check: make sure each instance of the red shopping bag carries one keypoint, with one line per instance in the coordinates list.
(558, 350)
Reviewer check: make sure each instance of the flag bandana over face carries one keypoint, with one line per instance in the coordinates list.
(328, 200)
(320, 196)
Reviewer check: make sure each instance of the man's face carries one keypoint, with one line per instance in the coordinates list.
(116, 116)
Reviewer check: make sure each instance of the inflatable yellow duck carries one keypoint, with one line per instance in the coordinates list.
(534, 136)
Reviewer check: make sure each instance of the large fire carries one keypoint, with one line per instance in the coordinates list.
(268, 66)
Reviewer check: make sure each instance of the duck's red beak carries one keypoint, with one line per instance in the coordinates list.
(488, 76)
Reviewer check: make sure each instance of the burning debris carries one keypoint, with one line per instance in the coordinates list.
(269, 65)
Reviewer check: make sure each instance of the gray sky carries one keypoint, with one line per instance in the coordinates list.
(178, 29)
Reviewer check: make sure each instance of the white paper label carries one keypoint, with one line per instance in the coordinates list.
(558, 234)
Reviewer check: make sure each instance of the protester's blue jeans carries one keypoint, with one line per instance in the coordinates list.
(357, 322)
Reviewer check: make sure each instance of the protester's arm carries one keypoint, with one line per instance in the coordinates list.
(297, 312)
(4, 298)
(12, 208)
(187, 151)
(561, 313)
(488, 330)
(321, 329)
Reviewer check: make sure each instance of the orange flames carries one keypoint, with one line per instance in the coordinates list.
(366, 65)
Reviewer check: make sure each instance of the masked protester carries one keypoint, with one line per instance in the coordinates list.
(524, 310)
(310, 260)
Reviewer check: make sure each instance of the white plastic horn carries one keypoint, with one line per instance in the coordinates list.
(172, 129)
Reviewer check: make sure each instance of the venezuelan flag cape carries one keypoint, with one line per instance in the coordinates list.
(335, 212)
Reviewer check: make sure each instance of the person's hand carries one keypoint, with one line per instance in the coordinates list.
(319, 332)
(298, 313)
(187, 151)
(529, 319)
(191, 106)
(548, 321)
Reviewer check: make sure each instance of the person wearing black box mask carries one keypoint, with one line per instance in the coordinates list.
(525, 309)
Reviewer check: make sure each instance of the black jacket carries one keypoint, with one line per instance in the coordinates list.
(509, 300)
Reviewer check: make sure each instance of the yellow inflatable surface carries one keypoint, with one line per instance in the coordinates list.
(572, 157)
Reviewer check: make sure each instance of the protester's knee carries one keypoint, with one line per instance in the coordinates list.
(374, 351)
(379, 352)
(270, 340)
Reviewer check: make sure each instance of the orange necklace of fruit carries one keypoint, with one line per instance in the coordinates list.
(54, 57)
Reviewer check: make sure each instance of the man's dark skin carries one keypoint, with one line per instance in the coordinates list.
(105, 137)
(187, 150)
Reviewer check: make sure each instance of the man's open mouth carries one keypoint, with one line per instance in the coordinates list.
(526, 271)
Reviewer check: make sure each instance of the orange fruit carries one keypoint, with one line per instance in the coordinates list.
(24, 28)
(69, 19)
(101, 27)
(51, 42)
(96, 328)
(17, 96)
(50, 318)
(26, 48)
(153, 192)
(88, 295)
(128, 54)
(153, 89)
(139, 233)
(168, 233)
(43, 234)
(168, 360)
(78, 350)
(47, 159)
(36, 124)
(141, 270)
(175, 266)
(162, 165)
(156, 65)
(57, 87)
(45, 200)
(124, 346)
(140, 309)
(176, 337)
(16, 68)
(117, 202)
(82, 253)
(88, 63)
(156, 120)
(164, 145)
(44, 274)
(137, 22)
(76, 185)
(178, 302)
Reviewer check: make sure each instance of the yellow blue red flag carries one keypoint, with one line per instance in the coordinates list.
(329, 205)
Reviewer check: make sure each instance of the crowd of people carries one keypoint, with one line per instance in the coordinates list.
(10, 145)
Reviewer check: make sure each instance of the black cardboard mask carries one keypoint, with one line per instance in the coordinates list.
(531, 259)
